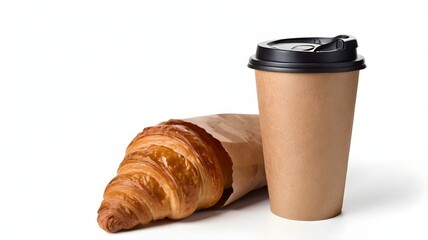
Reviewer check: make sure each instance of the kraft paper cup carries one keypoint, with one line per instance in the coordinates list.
(306, 118)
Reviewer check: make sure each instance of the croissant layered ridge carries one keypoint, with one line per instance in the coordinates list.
(169, 171)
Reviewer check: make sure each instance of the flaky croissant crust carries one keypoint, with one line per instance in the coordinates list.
(169, 171)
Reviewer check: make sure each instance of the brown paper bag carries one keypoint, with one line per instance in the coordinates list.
(240, 136)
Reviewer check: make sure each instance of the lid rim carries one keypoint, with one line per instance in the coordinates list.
(257, 64)
(309, 70)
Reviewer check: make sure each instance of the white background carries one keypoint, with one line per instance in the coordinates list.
(79, 79)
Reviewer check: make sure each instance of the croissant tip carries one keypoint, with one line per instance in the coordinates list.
(110, 223)
(109, 220)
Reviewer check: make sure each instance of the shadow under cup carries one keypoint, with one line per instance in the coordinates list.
(306, 115)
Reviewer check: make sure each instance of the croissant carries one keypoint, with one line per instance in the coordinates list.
(169, 171)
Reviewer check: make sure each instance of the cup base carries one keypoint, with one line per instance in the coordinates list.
(305, 218)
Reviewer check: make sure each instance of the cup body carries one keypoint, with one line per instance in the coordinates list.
(306, 124)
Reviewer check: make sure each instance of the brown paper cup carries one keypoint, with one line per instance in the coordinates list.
(306, 123)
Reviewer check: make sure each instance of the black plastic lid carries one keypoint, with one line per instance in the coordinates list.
(310, 55)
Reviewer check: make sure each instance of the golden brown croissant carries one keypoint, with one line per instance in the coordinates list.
(169, 171)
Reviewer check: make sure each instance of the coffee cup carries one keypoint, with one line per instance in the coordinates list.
(306, 89)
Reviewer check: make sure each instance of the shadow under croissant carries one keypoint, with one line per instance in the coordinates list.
(246, 201)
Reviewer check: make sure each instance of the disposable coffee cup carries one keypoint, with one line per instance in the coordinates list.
(306, 90)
